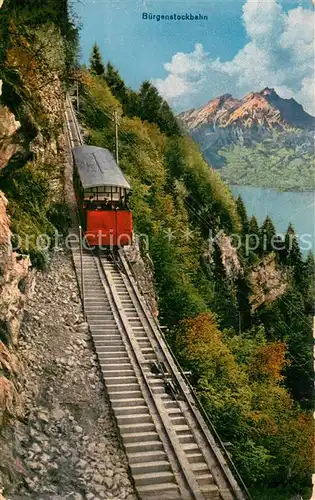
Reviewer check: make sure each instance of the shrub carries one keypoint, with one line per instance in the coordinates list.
(59, 215)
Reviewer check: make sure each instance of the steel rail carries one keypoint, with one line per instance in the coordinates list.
(173, 442)
(129, 272)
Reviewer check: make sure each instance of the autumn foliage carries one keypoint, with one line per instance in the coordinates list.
(272, 439)
(269, 361)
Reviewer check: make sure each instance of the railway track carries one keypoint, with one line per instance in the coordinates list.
(171, 452)
(72, 126)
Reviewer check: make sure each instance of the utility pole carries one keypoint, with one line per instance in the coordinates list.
(77, 96)
(116, 135)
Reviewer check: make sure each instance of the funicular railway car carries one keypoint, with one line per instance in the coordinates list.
(102, 194)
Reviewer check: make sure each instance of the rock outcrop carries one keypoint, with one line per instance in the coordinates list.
(15, 284)
(267, 283)
(230, 259)
(15, 281)
(8, 128)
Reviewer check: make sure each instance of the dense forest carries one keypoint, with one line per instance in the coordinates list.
(240, 322)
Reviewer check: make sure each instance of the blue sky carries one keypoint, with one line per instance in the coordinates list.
(244, 46)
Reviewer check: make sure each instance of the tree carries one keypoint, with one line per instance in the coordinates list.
(96, 64)
(268, 362)
(150, 102)
(253, 226)
(154, 109)
(309, 290)
(167, 121)
(115, 82)
(267, 234)
(285, 320)
(241, 210)
(293, 257)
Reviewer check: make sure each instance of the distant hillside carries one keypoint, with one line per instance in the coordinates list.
(261, 140)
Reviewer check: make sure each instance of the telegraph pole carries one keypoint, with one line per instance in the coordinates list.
(116, 135)
(77, 96)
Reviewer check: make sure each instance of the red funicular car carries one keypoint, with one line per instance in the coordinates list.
(102, 194)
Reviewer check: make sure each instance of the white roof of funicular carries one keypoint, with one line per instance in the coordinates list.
(97, 167)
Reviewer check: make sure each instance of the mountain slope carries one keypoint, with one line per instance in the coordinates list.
(258, 109)
(260, 140)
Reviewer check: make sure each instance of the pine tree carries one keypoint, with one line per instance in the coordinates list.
(155, 109)
(252, 244)
(96, 62)
(241, 210)
(115, 82)
(293, 257)
(309, 290)
(267, 234)
(167, 120)
(150, 102)
(253, 226)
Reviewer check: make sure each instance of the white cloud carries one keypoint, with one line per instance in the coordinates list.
(279, 54)
(186, 73)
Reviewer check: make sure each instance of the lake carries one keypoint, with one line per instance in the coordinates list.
(283, 208)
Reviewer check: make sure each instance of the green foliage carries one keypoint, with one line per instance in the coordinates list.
(243, 379)
(28, 187)
(309, 290)
(97, 104)
(29, 16)
(174, 287)
(59, 215)
(239, 380)
(256, 461)
(32, 214)
(210, 203)
(275, 162)
(292, 258)
(241, 210)
(285, 319)
(267, 233)
(253, 226)
(117, 87)
(147, 103)
(154, 109)
(39, 47)
(96, 64)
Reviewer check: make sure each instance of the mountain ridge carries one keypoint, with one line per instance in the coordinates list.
(261, 139)
(264, 109)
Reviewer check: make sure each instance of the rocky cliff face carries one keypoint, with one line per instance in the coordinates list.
(8, 128)
(15, 281)
(267, 282)
(15, 284)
